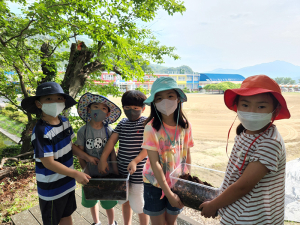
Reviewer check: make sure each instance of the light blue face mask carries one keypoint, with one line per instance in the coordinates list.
(98, 115)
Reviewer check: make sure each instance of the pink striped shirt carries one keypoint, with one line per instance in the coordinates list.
(264, 204)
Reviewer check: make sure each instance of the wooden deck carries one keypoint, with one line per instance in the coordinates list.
(82, 216)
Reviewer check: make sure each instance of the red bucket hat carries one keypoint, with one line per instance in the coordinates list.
(254, 85)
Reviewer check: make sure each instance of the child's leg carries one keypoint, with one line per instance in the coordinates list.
(93, 205)
(172, 214)
(110, 215)
(127, 213)
(171, 219)
(154, 206)
(95, 213)
(159, 220)
(144, 219)
(136, 201)
(109, 207)
(66, 221)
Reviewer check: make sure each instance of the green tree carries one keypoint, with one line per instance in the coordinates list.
(36, 42)
(223, 86)
(285, 80)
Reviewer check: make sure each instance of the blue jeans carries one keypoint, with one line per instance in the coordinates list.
(154, 206)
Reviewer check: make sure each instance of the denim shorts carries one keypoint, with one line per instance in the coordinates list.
(154, 206)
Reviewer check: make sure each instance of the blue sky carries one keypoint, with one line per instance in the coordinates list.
(231, 34)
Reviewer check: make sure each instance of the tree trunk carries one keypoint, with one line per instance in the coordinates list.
(26, 135)
(79, 68)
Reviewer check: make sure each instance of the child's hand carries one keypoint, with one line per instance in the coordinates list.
(175, 201)
(93, 160)
(208, 209)
(131, 167)
(103, 167)
(82, 178)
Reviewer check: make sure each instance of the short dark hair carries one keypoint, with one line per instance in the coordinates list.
(133, 97)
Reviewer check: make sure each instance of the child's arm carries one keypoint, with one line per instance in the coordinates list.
(113, 157)
(82, 162)
(132, 165)
(83, 155)
(254, 172)
(161, 179)
(188, 159)
(109, 147)
(57, 167)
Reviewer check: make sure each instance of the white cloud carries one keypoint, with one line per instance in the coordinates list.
(232, 33)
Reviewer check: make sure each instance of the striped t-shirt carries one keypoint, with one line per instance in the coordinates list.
(130, 142)
(53, 140)
(264, 204)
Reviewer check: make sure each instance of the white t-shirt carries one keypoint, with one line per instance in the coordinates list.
(264, 204)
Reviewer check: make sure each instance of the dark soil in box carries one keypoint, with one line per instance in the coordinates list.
(192, 195)
(106, 189)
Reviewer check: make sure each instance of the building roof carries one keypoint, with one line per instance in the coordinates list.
(220, 77)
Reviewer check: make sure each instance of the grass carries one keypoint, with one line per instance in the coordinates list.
(11, 126)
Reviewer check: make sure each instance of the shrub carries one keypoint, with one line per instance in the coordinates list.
(15, 114)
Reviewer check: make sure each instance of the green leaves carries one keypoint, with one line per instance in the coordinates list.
(117, 43)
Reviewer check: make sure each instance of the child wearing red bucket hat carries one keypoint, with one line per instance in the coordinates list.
(254, 185)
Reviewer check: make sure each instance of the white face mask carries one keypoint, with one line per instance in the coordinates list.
(254, 121)
(53, 109)
(166, 106)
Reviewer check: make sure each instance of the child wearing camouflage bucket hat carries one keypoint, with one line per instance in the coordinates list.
(98, 112)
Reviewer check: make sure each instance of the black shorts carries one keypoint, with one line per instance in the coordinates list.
(53, 211)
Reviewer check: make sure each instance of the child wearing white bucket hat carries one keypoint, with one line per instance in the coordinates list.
(98, 112)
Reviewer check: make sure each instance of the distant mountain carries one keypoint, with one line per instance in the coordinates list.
(171, 70)
(272, 69)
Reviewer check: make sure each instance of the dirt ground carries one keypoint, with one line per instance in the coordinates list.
(18, 192)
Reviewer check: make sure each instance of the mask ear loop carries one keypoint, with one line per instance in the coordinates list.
(240, 168)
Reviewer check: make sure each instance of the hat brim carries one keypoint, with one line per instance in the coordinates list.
(150, 99)
(230, 97)
(28, 104)
(88, 98)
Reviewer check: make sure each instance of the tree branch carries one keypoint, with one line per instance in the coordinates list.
(31, 21)
(27, 68)
(92, 67)
(21, 81)
(59, 44)
(115, 69)
(2, 41)
(4, 159)
(4, 95)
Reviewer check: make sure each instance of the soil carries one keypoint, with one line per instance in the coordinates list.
(193, 195)
(114, 176)
(101, 189)
(17, 185)
(194, 179)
